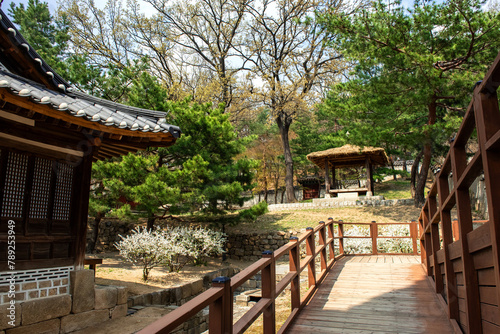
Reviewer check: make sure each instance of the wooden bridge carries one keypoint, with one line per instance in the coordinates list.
(454, 289)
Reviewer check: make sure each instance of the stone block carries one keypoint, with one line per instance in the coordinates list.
(44, 284)
(197, 287)
(186, 291)
(44, 327)
(121, 295)
(10, 312)
(119, 311)
(105, 297)
(156, 298)
(29, 286)
(165, 297)
(73, 322)
(82, 289)
(38, 310)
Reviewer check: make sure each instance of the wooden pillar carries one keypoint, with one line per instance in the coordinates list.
(269, 291)
(80, 205)
(369, 177)
(374, 235)
(311, 251)
(294, 262)
(327, 179)
(333, 181)
(221, 310)
(472, 307)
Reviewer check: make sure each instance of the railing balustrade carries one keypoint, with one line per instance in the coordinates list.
(319, 251)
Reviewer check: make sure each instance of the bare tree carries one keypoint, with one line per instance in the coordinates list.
(288, 53)
(208, 29)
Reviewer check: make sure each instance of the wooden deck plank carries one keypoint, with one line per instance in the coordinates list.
(374, 294)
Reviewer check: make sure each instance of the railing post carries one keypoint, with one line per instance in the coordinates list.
(269, 291)
(311, 250)
(413, 234)
(374, 234)
(341, 237)
(455, 229)
(322, 242)
(331, 235)
(221, 310)
(294, 259)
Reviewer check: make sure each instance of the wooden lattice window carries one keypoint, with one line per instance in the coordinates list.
(15, 185)
(40, 194)
(62, 200)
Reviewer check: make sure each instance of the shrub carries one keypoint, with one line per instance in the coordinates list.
(145, 248)
(255, 211)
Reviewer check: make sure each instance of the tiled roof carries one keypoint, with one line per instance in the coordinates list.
(67, 99)
(91, 108)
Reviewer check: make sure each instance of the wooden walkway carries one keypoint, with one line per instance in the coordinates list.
(374, 294)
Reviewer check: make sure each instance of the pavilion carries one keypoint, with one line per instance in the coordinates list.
(349, 156)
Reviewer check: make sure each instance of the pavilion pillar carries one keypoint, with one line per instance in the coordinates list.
(327, 179)
(333, 181)
(369, 177)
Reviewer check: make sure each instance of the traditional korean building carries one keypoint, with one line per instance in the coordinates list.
(49, 136)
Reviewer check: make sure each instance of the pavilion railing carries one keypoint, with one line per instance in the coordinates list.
(319, 257)
(462, 257)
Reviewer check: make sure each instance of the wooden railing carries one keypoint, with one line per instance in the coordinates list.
(374, 236)
(461, 259)
(319, 251)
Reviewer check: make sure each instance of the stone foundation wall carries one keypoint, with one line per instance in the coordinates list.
(249, 247)
(35, 283)
(84, 306)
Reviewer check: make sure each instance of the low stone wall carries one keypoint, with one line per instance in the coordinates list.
(339, 202)
(249, 247)
(181, 294)
(84, 306)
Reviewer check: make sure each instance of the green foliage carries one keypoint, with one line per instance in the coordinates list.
(254, 212)
(49, 37)
(406, 59)
(414, 73)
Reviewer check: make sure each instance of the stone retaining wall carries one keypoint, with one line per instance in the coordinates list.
(249, 246)
(181, 294)
(109, 233)
(339, 202)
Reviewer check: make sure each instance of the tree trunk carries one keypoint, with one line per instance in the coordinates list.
(394, 169)
(426, 163)
(95, 233)
(151, 222)
(414, 171)
(284, 123)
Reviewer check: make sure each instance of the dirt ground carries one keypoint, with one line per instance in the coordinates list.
(114, 270)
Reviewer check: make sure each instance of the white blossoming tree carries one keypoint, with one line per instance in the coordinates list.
(173, 247)
(146, 248)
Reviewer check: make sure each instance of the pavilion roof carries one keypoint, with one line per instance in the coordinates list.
(349, 156)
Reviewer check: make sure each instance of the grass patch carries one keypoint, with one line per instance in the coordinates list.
(298, 219)
(393, 189)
